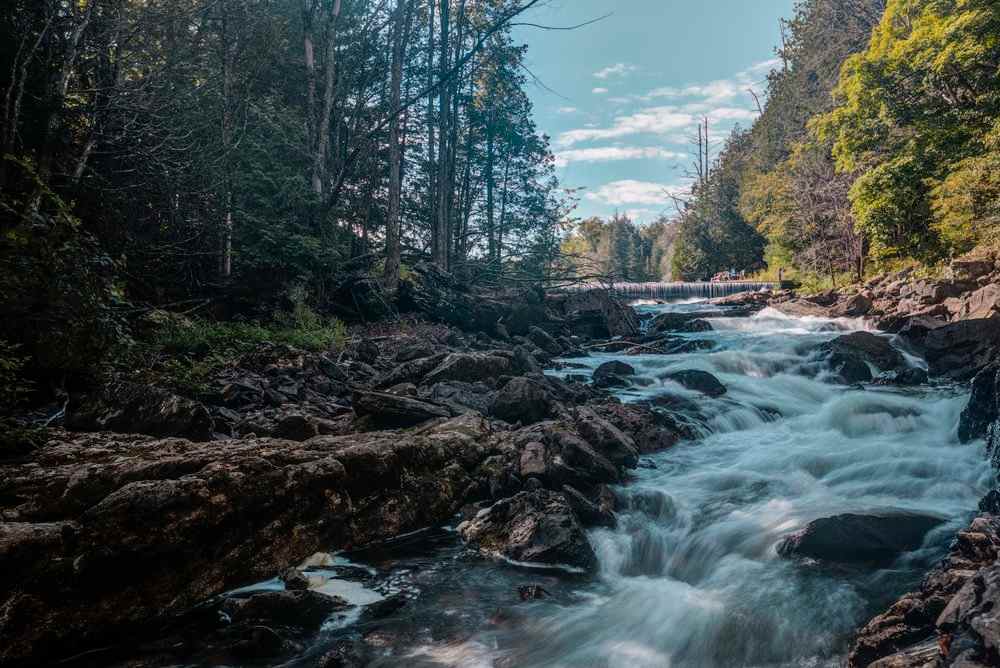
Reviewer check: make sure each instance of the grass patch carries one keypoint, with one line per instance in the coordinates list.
(186, 354)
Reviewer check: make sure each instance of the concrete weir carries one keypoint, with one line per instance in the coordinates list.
(680, 290)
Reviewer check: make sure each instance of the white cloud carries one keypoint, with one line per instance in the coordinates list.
(720, 91)
(600, 91)
(567, 110)
(615, 153)
(622, 193)
(655, 120)
(616, 70)
(640, 215)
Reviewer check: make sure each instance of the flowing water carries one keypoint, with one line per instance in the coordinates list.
(690, 576)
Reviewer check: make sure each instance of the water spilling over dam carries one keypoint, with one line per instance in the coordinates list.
(678, 290)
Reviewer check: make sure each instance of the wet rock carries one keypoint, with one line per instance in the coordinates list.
(461, 397)
(384, 608)
(346, 653)
(295, 580)
(960, 350)
(132, 408)
(523, 400)
(532, 592)
(256, 642)
(613, 374)
(909, 377)
(991, 502)
(683, 322)
(102, 533)
(537, 527)
(306, 609)
(468, 367)
(699, 381)
(578, 463)
(981, 416)
(544, 340)
(590, 513)
(851, 538)
(392, 411)
(607, 439)
(850, 356)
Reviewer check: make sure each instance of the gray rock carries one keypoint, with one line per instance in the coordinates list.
(468, 367)
(536, 527)
(699, 381)
(851, 538)
(391, 410)
(613, 374)
(523, 400)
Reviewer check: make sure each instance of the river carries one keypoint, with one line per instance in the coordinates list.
(690, 576)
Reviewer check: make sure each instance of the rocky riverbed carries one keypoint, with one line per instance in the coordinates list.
(154, 529)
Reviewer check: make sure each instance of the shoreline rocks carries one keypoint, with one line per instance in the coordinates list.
(950, 620)
(104, 534)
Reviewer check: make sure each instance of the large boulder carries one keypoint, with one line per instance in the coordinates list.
(392, 410)
(537, 527)
(981, 416)
(606, 438)
(594, 314)
(523, 400)
(959, 350)
(850, 356)
(699, 381)
(544, 340)
(613, 374)
(851, 538)
(468, 367)
(683, 322)
(131, 408)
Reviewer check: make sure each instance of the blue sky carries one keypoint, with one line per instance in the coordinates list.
(626, 93)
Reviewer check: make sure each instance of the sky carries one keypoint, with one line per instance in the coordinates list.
(621, 99)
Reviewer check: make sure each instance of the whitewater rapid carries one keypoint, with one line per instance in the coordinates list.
(690, 576)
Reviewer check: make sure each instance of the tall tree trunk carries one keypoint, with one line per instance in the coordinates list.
(323, 122)
(431, 167)
(491, 229)
(439, 238)
(228, 65)
(309, 46)
(402, 22)
(58, 91)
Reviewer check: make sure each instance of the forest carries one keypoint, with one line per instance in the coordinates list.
(876, 148)
(251, 153)
(316, 350)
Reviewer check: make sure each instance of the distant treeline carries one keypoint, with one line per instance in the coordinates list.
(879, 144)
(621, 250)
